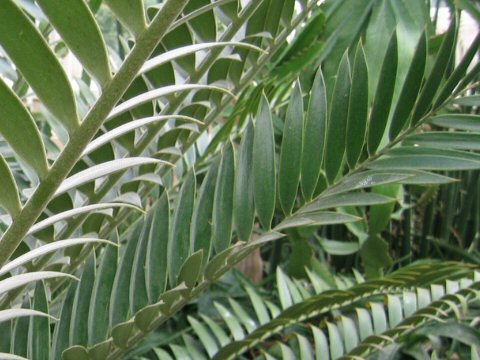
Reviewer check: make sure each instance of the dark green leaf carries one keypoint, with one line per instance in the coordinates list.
(179, 241)
(223, 200)
(457, 121)
(244, 207)
(410, 88)
(264, 164)
(383, 96)
(436, 75)
(100, 300)
(375, 255)
(446, 140)
(191, 269)
(291, 151)
(201, 232)
(315, 131)
(337, 122)
(39, 329)
(81, 304)
(156, 262)
(357, 108)
(61, 335)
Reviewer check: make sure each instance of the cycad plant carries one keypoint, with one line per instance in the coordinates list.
(200, 132)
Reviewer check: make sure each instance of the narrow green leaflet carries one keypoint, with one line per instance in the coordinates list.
(119, 303)
(244, 207)
(264, 164)
(78, 323)
(337, 121)
(346, 199)
(138, 286)
(10, 314)
(314, 137)
(131, 13)
(410, 89)
(103, 169)
(426, 162)
(457, 140)
(204, 335)
(78, 28)
(357, 108)
(19, 130)
(291, 151)
(9, 198)
(156, 261)
(472, 100)
(383, 96)
(61, 333)
(46, 249)
(223, 200)
(341, 248)
(76, 211)
(201, 232)
(39, 329)
(100, 299)
(29, 51)
(436, 75)
(457, 121)
(179, 241)
(315, 219)
(17, 281)
(191, 270)
(459, 72)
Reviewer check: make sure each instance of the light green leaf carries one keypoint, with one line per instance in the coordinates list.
(244, 207)
(282, 288)
(258, 305)
(337, 121)
(103, 169)
(10, 314)
(231, 321)
(341, 248)
(383, 96)
(156, 262)
(315, 132)
(5, 356)
(223, 200)
(426, 162)
(190, 49)
(457, 121)
(348, 199)
(9, 198)
(78, 28)
(131, 14)
(143, 98)
(46, 249)
(39, 329)
(291, 151)
(204, 335)
(17, 281)
(18, 128)
(264, 164)
(410, 88)
(306, 351)
(29, 51)
(315, 219)
(191, 269)
(130, 126)
(74, 212)
(179, 241)
(321, 345)
(335, 341)
(457, 140)
(357, 108)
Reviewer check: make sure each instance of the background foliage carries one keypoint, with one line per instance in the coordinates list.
(239, 179)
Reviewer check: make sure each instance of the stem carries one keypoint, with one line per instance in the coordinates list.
(81, 138)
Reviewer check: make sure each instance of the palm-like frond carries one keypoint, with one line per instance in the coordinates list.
(334, 324)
